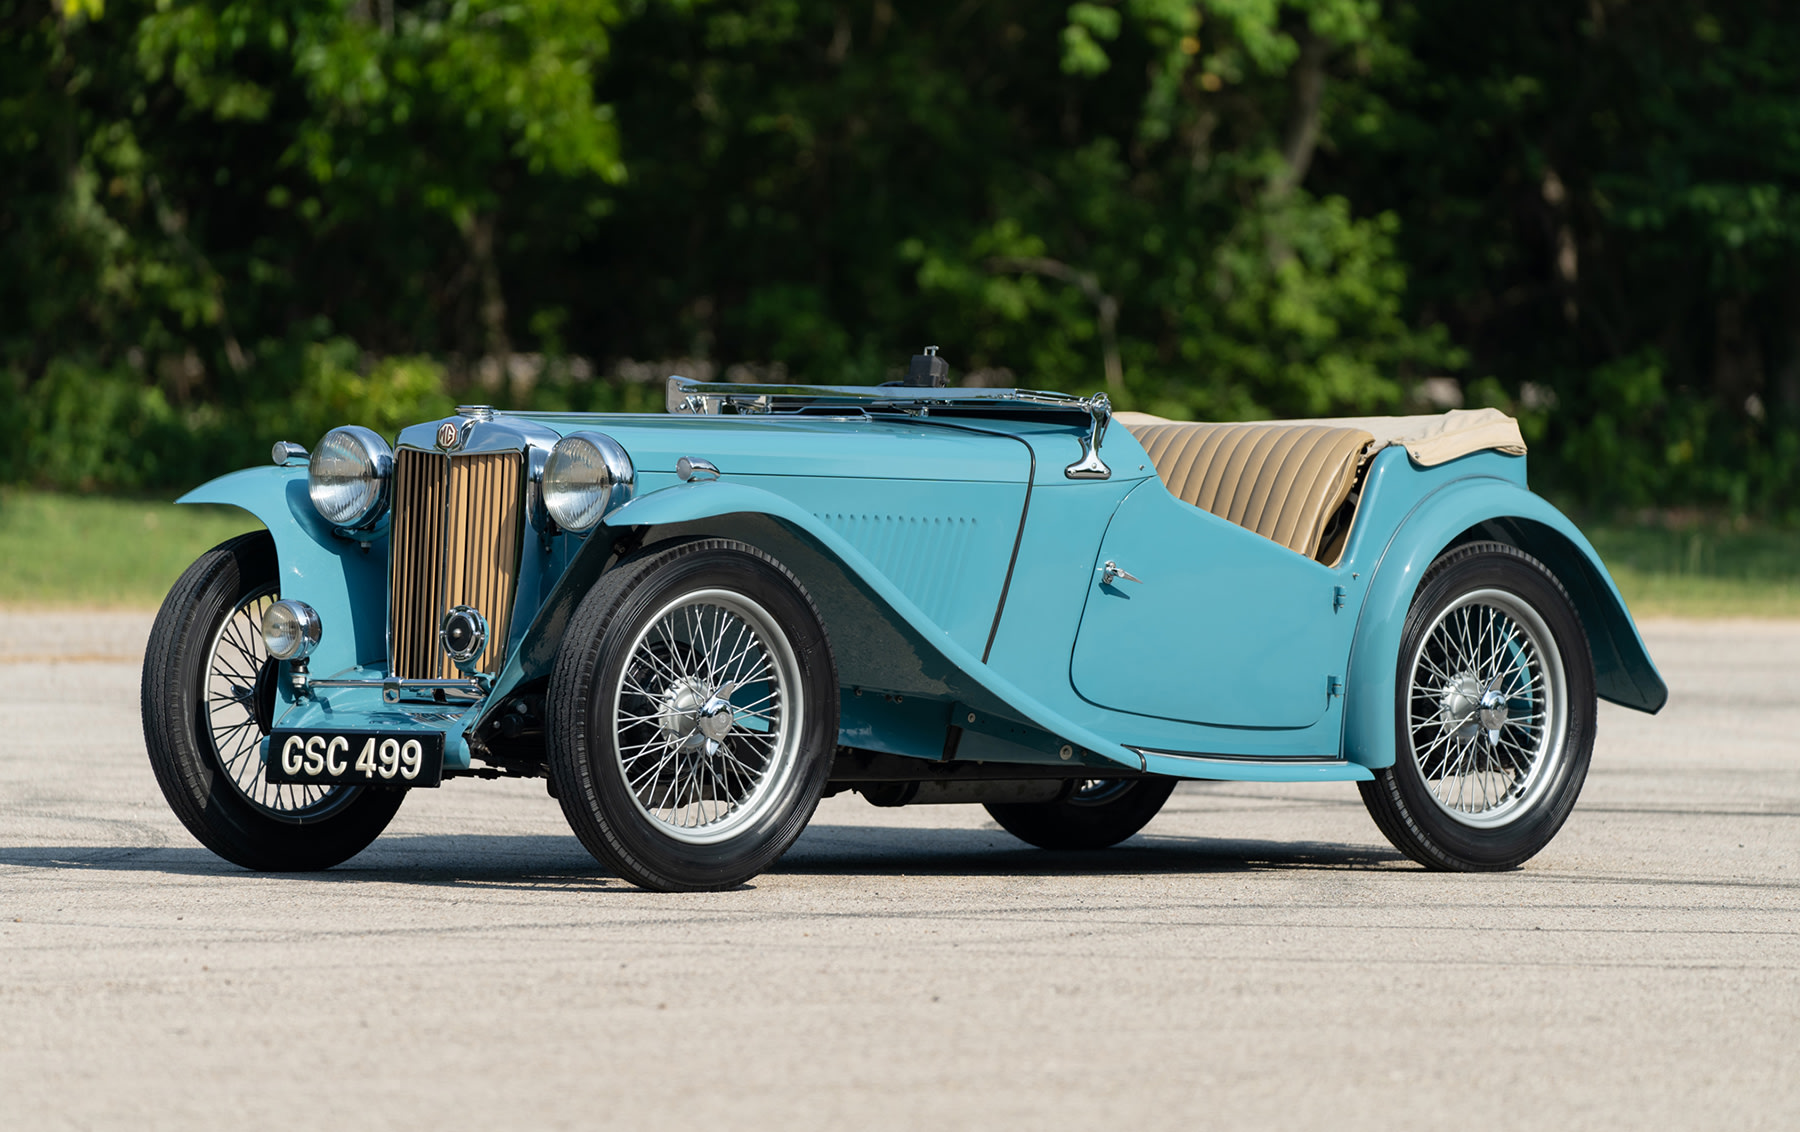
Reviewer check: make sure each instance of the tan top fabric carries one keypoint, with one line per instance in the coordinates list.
(1435, 439)
(1283, 481)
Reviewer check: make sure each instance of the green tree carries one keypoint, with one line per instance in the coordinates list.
(202, 182)
(1615, 235)
(1108, 195)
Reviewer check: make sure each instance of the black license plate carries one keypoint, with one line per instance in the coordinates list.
(382, 758)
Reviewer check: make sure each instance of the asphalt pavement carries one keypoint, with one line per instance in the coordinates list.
(1259, 957)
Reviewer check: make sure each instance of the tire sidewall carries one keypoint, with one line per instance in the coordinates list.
(642, 849)
(1454, 844)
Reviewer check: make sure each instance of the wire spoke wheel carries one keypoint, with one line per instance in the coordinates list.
(210, 697)
(237, 701)
(702, 715)
(692, 715)
(1488, 707)
(1493, 713)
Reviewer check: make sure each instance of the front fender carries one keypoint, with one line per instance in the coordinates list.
(345, 580)
(1488, 507)
(697, 502)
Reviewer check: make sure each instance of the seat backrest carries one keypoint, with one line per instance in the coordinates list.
(1284, 481)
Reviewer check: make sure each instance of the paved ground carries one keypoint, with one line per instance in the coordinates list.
(1259, 957)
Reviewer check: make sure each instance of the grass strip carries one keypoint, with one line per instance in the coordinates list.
(99, 552)
(95, 551)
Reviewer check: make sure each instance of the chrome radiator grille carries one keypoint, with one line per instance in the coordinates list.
(455, 538)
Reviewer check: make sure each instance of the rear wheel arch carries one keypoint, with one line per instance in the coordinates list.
(1473, 509)
(1621, 668)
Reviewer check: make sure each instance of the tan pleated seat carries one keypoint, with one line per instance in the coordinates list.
(1282, 480)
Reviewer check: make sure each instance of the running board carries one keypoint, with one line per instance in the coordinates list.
(1252, 768)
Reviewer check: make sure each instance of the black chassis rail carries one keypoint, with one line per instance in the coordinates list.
(855, 766)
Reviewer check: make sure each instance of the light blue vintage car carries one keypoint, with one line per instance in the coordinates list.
(695, 625)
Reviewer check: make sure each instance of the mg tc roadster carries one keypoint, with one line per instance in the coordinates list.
(694, 625)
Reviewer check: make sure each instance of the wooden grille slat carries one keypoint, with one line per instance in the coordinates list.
(456, 532)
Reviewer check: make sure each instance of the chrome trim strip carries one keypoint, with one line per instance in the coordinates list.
(392, 690)
(1241, 760)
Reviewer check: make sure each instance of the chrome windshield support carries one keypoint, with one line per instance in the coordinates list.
(685, 395)
(1090, 466)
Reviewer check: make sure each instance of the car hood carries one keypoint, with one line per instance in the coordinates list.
(837, 447)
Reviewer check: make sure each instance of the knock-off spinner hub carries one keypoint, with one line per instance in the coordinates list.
(716, 718)
(692, 711)
(1477, 708)
(1493, 712)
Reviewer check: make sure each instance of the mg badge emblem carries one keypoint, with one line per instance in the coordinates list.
(446, 435)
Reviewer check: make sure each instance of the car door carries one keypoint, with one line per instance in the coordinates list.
(1222, 627)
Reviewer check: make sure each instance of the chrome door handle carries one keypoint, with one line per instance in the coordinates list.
(1112, 570)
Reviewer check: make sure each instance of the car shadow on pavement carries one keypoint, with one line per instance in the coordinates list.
(538, 860)
(848, 850)
(524, 859)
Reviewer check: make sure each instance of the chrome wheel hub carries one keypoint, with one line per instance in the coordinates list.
(1483, 711)
(707, 715)
(695, 714)
(716, 718)
(680, 712)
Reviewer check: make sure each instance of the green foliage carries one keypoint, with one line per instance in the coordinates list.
(1601, 202)
(391, 394)
(228, 221)
(94, 427)
(201, 176)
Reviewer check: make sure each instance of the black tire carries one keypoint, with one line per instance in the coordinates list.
(1532, 744)
(783, 774)
(225, 802)
(1094, 814)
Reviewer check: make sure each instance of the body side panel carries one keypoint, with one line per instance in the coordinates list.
(1224, 626)
(700, 501)
(945, 545)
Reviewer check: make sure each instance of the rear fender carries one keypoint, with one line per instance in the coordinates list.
(903, 676)
(344, 579)
(1462, 510)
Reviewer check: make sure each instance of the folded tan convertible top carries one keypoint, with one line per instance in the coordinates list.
(1434, 439)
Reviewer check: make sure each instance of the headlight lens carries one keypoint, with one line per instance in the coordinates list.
(291, 630)
(349, 476)
(587, 475)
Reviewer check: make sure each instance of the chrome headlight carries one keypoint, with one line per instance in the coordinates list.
(291, 630)
(587, 475)
(349, 476)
